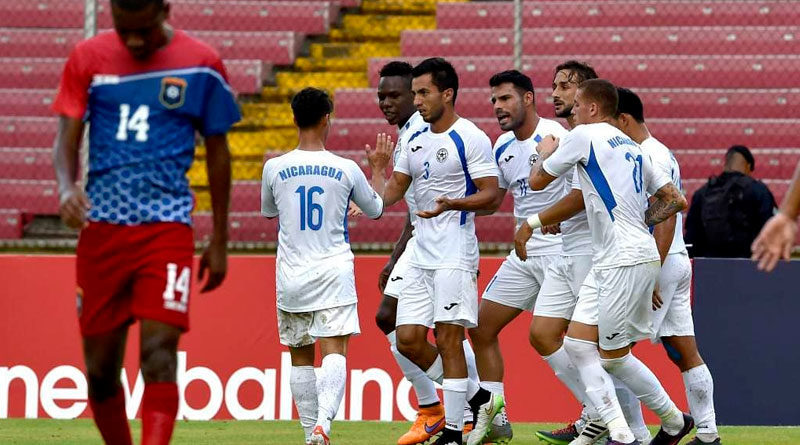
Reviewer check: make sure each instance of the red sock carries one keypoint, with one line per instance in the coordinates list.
(159, 408)
(111, 420)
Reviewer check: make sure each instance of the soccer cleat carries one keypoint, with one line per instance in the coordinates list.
(662, 438)
(449, 437)
(561, 436)
(485, 416)
(591, 433)
(318, 437)
(429, 422)
(697, 441)
(500, 433)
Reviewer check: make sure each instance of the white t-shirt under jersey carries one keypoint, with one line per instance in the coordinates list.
(664, 160)
(310, 192)
(514, 159)
(444, 164)
(413, 128)
(616, 176)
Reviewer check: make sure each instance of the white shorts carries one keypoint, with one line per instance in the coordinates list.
(562, 283)
(397, 279)
(297, 329)
(622, 298)
(439, 296)
(517, 283)
(674, 318)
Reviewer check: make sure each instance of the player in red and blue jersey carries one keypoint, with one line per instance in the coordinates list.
(145, 89)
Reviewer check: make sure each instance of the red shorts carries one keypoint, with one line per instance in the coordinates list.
(130, 272)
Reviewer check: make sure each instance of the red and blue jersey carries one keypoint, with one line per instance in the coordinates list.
(143, 117)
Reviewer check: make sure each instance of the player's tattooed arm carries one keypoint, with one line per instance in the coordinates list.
(664, 234)
(72, 199)
(669, 201)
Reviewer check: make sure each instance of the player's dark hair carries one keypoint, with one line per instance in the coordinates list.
(519, 80)
(630, 103)
(136, 5)
(742, 150)
(603, 93)
(397, 68)
(442, 73)
(578, 71)
(309, 106)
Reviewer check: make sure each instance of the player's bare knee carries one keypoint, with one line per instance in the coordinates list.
(449, 341)
(409, 345)
(159, 359)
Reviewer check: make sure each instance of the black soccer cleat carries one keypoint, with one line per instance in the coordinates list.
(562, 436)
(662, 438)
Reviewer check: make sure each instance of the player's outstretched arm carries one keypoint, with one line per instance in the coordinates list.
(779, 233)
(215, 258)
(482, 200)
(498, 201)
(72, 199)
(399, 248)
(669, 201)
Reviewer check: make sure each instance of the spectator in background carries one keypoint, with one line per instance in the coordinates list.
(727, 213)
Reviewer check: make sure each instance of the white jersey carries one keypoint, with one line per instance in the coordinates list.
(414, 126)
(515, 159)
(310, 192)
(664, 160)
(616, 176)
(576, 237)
(444, 164)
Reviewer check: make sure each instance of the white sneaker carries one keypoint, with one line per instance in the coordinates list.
(593, 431)
(486, 414)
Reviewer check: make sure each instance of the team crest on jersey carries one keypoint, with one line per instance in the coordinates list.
(441, 155)
(173, 92)
(532, 160)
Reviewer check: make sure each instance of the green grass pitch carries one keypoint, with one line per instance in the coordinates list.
(68, 432)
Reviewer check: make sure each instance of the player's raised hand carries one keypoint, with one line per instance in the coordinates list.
(353, 210)
(381, 155)
(547, 146)
(774, 242)
(443, 204)
(215, 262)
(521, 238)
(73, 207)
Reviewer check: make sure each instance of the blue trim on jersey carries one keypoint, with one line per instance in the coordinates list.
(417, 133)
(462, 155)
(500, 151)
(600, 183)
(344, 223)
(537, 138)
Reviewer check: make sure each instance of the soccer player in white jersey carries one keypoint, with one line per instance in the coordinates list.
(514, 287)
(309, 190)
(615, 177)
(396, 101)
(672, 319)
(450, 166)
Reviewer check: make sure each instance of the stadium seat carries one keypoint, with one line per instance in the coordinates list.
(606, 41)
(27, 163)
(42, 13)
(29, 196)
(615, 13)
(245, 76)
(10, 224)
(27, 131)
(496, 228)
(722, 133)
(642, 71)
(23, 102)
(770, 163)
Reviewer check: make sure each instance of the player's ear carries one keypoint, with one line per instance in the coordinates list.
(528, 98)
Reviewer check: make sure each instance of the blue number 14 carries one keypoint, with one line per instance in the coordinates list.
(637, 171)
(310, 211)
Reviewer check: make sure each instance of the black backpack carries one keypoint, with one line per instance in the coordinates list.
(725, 216)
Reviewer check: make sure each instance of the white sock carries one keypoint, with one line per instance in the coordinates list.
(566, 371)
(436, 371)
(700, 394)
(632, 410)
(423, 385)
(472, 371)
(455, 397)
(638, 377)
(599, 387)
(303, 383)
(494, 387)
(330, 389)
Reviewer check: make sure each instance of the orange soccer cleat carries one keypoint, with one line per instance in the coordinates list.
(429, 421)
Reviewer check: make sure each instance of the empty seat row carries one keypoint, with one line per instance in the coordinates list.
(658, 102)
(245, 76)
(610, 13)
(276, 47)
(643, 40)
(770, 163)
(644, 71)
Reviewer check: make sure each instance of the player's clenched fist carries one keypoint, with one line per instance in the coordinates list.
(547, 146)
(380, 157)
(73, 207)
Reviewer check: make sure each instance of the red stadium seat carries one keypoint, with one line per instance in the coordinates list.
(10, 224)
(722, 133)
(27, 132)
(22, 102)
(42, 13)
(770, 163)
(24, 42)
(496, 228)
(27, 163)
(29, 196)
(606, 41)
(616, 13)
(245, 76)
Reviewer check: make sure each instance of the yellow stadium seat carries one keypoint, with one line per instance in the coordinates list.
(328, 81)
(385, 26)
(354, 49)
(402, 6)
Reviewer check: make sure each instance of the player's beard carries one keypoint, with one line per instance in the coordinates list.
(566, 112)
